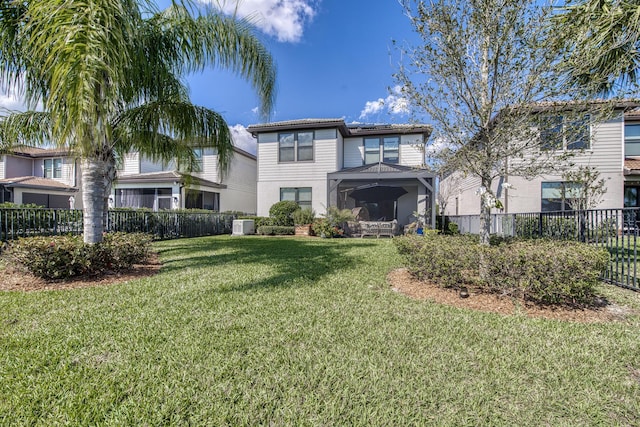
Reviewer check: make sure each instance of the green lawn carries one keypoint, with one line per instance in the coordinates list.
(268, 331)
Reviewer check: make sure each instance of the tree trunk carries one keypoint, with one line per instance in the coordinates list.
(93, 191)
(485, 222)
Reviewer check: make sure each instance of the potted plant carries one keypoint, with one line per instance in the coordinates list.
(302, 219)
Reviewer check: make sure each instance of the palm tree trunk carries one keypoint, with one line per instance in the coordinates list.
(93, 190)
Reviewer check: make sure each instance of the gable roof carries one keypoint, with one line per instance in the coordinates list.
(346, 130)
(37, 152)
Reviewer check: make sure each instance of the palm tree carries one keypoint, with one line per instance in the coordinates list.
(600, 42)
(109, 75)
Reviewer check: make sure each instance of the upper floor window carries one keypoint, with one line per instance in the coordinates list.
(632, 139)
(53, 168)
(371, 150)
(301, 195)
(295, 146)
(561, 132)
(389, 146)
(197, 153)
(390, 149)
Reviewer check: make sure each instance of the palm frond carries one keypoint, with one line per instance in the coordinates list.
(166, 130)
(32, 128)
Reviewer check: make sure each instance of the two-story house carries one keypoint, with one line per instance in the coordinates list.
(611, 147)
(325, 162)
(145, 183)
(45, 177)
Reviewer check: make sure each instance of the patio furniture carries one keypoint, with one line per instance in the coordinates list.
(378, 228)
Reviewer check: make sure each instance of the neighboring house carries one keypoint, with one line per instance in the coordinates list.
(144, 183)
(612, 147)
(45, 177)
(324, 162)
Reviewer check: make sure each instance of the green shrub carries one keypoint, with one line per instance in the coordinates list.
(544, 271)
(273, 230)
(324, 228)
(282, 212)
(304, 216)
(60, 257)
(446, 260)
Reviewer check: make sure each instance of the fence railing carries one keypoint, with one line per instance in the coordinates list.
(616, 230)
(17, 222)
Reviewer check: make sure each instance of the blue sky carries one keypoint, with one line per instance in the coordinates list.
(335, 59)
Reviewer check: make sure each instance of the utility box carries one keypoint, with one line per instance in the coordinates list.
(242, 227)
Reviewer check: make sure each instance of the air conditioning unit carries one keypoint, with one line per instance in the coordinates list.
(242, 227)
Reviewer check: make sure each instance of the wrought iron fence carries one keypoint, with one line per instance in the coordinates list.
(18, 222)
(616, 230)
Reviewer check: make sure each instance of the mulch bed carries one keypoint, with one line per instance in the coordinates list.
(402, 281)
(15, 280)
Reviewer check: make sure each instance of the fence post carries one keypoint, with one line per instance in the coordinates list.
(540, 224)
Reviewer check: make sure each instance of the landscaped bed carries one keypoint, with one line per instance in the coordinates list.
(249, 331)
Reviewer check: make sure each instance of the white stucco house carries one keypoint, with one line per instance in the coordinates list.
(610, 146)
(45, 177)
(144, 183)
(325, 162)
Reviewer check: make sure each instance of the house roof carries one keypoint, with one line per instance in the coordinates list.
(355, 129)
(36, 183)
(170, 176)
(381, 171)
(37, 152)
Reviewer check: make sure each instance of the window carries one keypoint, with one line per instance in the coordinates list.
(197, 153)
(632, 139)
(295, 146)
(632, 197)
(151, 198)
(53, 168)
(559, 196)
(302, 196)
(371, 150)
(559, 132)
(391, 149)
(195, 199)
(389, 146)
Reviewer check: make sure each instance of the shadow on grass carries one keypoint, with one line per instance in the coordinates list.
(295, 261)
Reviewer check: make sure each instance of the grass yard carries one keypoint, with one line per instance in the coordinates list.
(295, 331)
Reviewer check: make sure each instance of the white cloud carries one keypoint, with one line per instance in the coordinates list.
(395, 104)
(243, 139)
(283, 19)
(10, 99)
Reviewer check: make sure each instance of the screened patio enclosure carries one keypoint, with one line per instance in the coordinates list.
(388, 192)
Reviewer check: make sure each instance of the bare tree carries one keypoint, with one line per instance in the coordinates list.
(485, 75)
(585, 188)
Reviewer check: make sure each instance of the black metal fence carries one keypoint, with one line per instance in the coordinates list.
(616, 230)
(17, 222)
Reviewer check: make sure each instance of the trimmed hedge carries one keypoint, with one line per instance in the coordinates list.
(542, 271)
(60, 257)
(273, 230)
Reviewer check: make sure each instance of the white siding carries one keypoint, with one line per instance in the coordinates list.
(130, 164)
(240, 194)
(3, 159)
(273, 175)
(411, 150)
(606, 154)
